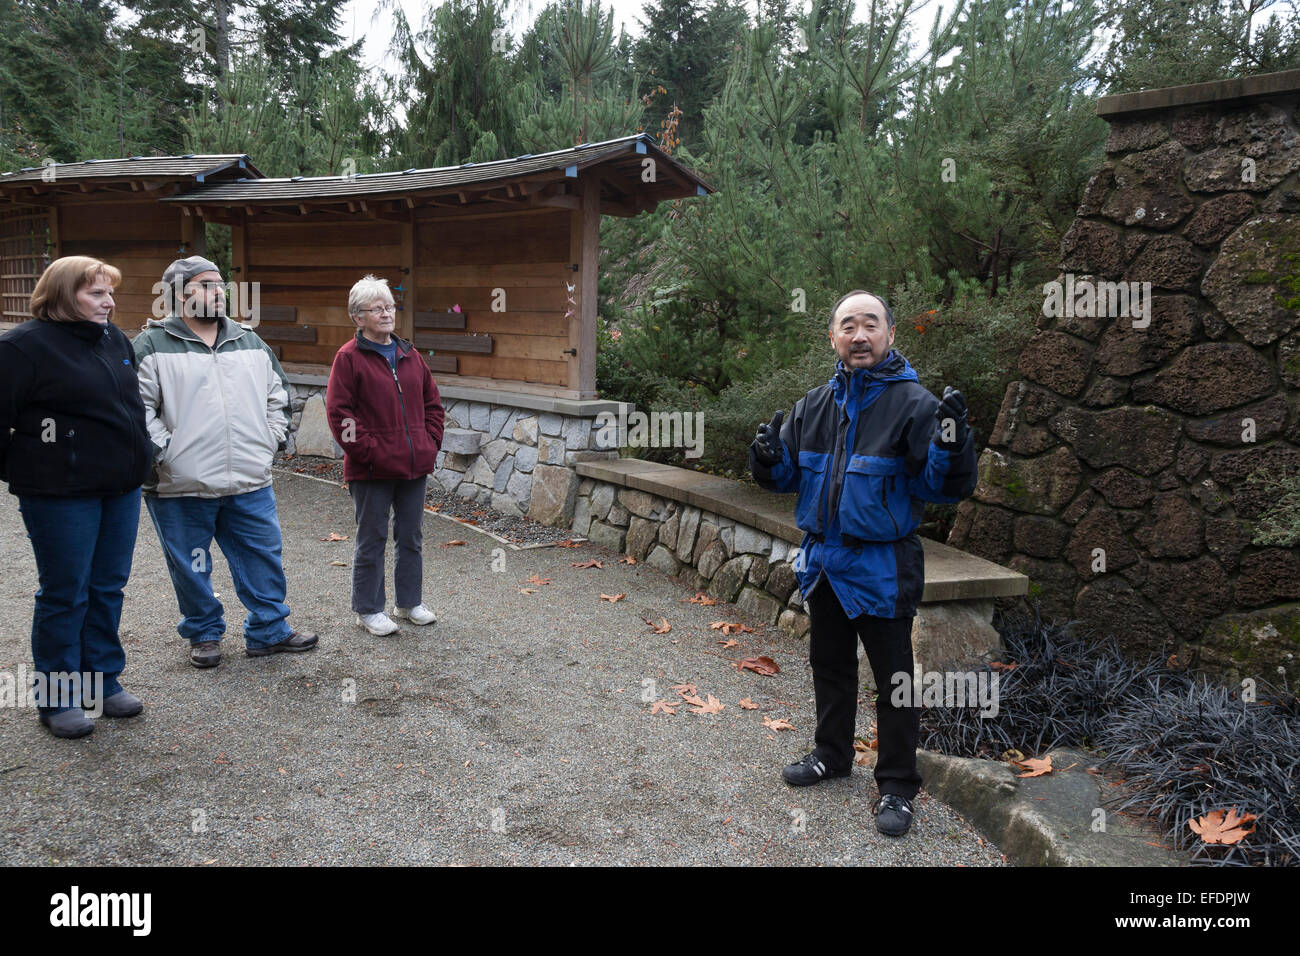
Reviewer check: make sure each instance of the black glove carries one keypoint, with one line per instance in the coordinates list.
(952, 406)
(767, 442)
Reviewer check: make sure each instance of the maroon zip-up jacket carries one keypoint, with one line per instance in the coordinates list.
(388, 421)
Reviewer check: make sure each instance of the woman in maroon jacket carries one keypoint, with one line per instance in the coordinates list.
(385, 412)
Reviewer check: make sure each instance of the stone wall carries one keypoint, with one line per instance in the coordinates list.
(1134, 443)
(517, 460)
(730, 560)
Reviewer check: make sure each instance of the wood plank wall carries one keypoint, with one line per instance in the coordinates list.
(139, 238)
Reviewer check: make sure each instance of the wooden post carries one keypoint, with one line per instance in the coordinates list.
(56, 244)
(239, 247)
(193, 233)
(584, 250)
(406, 324)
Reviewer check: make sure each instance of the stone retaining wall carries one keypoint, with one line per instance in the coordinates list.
(730, 560)
(517, 460)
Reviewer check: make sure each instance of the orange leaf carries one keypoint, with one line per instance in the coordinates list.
(999, 666)
(664, 627)
(611, 598)
(714, 706)
(568, 544)
(335, 536)
(663, 705)
(746, 704)
(702, 598)
(683, 689)
(728, 627)
(1037, 766)
(1216, 827)
(729, 642)
(586, 564)
(760, 665)
(538, 580)
(779, 724)
(627, 560)
(453, 544)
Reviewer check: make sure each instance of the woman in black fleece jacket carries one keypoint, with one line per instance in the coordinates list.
(75, 458)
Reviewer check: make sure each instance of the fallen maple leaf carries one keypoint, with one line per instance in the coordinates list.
(683, 689)
(538, 580)
(729, 642)
(568, 544)
(999, 666)
(611, 598)
(714, 706)
(1215, 827)
(702, 598)
(779, 724)
(663, 628)
(1037, 766)
(729, 627)
(452, 544)
(586, 564)
(663, 705)
(528, 590)
(335, 536)
(759, 665)
(746, 704)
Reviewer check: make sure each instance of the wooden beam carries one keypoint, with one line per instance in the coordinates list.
(588, 273)
(450, 342)
(439, 320)
(440, 363)
(239, 247)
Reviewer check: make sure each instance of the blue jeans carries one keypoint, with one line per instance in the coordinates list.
(248, 530)
(83, 548)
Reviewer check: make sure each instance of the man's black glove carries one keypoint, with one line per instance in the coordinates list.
(767, 442)
(951, 407)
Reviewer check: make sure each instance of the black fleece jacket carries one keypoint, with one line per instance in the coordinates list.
(69, 393)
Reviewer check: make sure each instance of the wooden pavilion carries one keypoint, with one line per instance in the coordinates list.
(512, 244)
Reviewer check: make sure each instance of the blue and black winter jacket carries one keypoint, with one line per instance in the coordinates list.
(864, 454)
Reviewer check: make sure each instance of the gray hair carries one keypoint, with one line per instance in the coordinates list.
(367, 290)
(889, 313)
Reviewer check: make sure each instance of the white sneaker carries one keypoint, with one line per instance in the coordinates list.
(416, 615)
(377, 624)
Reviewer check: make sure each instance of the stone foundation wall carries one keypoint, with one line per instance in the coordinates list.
(1133, 444)
(730, 560)
(516, 460)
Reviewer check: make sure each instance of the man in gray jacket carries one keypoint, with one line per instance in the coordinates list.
(217, 408)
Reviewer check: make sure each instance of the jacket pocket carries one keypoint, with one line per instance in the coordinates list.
(812, 484)
(874, 505)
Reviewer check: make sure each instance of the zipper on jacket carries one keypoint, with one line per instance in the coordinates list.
(121, 396)
(884, 485)
(401, 403)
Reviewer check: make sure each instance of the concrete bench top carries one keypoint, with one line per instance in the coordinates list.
(950, 574)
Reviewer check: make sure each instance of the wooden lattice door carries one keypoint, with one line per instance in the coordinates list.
(24, 245)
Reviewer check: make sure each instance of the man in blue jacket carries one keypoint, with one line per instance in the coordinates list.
(865, 452)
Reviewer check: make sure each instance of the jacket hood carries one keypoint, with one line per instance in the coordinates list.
(893, 368)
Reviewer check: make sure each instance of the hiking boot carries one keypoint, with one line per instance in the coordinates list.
(893, 814)
(205, 654)
(122, 704)
(808, 771)
(378, 624)
(416, 615)
(294, 643)
(68, 723)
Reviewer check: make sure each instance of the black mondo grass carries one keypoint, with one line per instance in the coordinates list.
(1184, 746)
(1202, 748)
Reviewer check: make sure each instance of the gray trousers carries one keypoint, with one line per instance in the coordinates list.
(373, 501)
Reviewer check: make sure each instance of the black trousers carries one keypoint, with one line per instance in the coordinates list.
(834, 652)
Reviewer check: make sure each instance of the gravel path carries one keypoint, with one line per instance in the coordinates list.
(512, 731)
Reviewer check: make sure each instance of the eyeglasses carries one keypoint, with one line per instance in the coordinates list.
(382, 309)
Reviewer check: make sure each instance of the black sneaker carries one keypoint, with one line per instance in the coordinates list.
(296, 642)
(808, 771)
(893, 814)
(205, 654)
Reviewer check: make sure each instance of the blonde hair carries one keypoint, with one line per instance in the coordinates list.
(55, 297)
(368, 289)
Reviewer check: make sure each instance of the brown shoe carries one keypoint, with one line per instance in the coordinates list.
(294, 642)
(205, 654)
